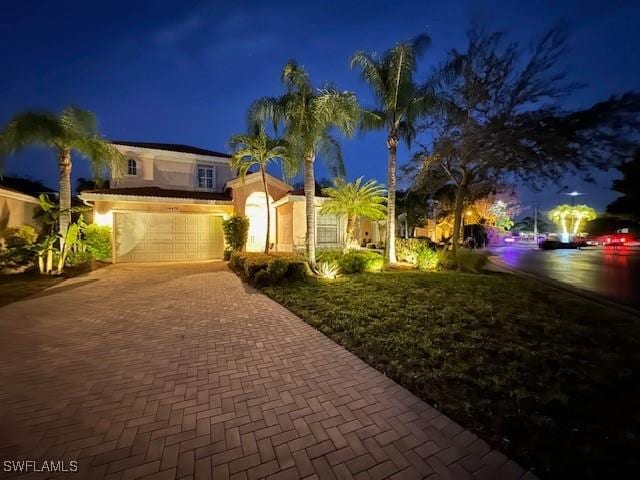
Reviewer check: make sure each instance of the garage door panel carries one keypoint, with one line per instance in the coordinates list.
(142, 237)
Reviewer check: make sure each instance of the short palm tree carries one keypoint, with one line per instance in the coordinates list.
(73, 130)
(400, 103)
(259, 150)
(355, 199)
(308, 115)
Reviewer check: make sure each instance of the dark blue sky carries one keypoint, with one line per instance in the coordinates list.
(185, 72)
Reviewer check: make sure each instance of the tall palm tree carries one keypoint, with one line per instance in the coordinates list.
(308, 115)
(560, 214)
(74, 130)
(355, 199)
(582, 213)
(259, 150)
(400, 103)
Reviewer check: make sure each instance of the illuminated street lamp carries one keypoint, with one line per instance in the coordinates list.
(573, 196)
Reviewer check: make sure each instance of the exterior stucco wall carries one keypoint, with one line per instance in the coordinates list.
(17, 210)
(298, 226)
(284, 231)
(241, 192)
(164, 172)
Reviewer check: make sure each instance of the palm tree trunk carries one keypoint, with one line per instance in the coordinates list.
(266, 196)
(351, 225)
(310, 200)
(65, 194)
(392, 146)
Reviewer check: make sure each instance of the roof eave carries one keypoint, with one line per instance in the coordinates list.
(111, 197)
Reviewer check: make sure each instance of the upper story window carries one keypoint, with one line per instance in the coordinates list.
(207, 177)
(132, 167)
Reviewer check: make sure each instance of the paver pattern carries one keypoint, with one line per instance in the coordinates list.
(182, 371)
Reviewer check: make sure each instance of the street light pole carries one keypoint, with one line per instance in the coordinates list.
(535, 222)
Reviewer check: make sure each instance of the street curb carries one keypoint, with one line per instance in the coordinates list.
(591, 296)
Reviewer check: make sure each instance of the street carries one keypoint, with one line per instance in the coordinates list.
(614, 274)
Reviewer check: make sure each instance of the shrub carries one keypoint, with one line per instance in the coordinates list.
(262, 269)
(418, 252)
(277, 270)
(327, 269)
(20, 236)
(19, 251)
(79, 259)
(236, 232)
(427, 259)
(354, 261)
(97, 240)
(469, 260)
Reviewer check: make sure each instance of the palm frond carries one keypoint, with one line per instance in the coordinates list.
(420, 43)
(371, 120)
(328, 150)
(78, 122)
(258, 149)
(101, 154)
(355, 198)
(370, 71)
(331, 107)
(295, 77)
(263, 111)
(40, 128)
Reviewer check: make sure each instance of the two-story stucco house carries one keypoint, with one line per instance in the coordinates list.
(169, 202)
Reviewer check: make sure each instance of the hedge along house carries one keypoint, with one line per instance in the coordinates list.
(169, 203)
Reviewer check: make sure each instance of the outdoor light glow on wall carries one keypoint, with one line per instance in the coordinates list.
(103, 219)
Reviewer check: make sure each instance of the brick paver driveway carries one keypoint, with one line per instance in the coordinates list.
(181, 371)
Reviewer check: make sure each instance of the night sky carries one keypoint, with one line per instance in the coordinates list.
(185, 72)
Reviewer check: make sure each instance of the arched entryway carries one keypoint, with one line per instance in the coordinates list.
(256, 210)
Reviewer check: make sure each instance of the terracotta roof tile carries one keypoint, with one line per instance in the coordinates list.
(172, 147)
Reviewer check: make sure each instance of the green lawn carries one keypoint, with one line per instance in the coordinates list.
(550, 379)
(22, 285)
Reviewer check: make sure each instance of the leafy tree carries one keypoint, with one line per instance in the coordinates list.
(628, 204)
(74, 130)
(259, 150)
(355, 199)
(499, 120)
(308, 115)
(400, 103)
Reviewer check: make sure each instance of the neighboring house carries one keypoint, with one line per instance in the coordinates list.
(169, 202)
(19, 202)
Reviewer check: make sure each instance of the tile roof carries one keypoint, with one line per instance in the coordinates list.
(163, 193)
(24, 185)
(172, 147)
(300, 191)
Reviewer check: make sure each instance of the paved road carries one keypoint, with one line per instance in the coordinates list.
(614, 274)
(181, 371)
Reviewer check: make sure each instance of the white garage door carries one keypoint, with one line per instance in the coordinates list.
(149, 237)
